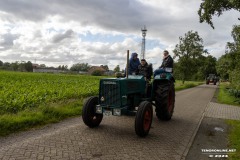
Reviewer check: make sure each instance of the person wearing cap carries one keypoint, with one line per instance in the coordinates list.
(145, 70)
(166, 64)
(133, 64)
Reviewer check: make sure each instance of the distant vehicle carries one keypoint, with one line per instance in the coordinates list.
(212, 78)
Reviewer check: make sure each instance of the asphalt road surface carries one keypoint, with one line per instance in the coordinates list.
(115, 138)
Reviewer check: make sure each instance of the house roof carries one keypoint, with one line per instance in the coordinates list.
(97, 68)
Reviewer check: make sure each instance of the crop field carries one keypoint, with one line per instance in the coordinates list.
(29, 99)
(20, 91)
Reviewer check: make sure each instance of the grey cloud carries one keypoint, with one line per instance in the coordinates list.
(59, 37)
(31, 10)
(124, 15)
(7, 40)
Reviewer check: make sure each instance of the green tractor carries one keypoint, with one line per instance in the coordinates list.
(132, 95)
(212, 78)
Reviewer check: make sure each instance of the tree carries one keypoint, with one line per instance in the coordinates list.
(206, 66)
(209, 65)
(21, 66)
(80, 67)
(209, 8)
(6, 64)
(1, 63)
(233, 48)
(28, 66)
(105, 67)
(15, 66)
(233, 54)
(188, 51)
(223, 66)
(63, 68)
(42, 66)
(117, 69)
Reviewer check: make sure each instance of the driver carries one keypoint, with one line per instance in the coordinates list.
(167, 60)
(167, 63)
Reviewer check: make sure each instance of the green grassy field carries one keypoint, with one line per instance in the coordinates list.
(32, 99)
(234, 134)
(188, 84)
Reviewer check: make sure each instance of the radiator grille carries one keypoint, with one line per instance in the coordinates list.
(110, 93)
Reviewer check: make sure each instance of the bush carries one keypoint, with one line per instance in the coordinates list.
(97, 73)
(235, 79)
(119, 74)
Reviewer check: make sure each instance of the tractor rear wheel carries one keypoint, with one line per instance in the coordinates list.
(165, 100)
(143, 119)
(89, 116)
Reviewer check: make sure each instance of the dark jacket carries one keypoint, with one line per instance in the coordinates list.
(145, 70)
(167, 62)
(133, 64)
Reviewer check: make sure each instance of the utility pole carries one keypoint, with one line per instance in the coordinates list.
(144, 33)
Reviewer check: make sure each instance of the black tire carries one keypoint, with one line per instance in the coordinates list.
(207, 82)
(143, 119)
(165, 100)
(89, 116)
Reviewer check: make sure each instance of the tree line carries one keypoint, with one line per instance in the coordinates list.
(23, 66)
(17, 66)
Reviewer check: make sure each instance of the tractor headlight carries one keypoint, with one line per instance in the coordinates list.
(99, 109)
(117, 112)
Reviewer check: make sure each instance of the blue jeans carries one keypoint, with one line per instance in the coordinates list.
(158, 71)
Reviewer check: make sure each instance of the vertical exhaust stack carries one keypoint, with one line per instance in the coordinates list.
(127, 64)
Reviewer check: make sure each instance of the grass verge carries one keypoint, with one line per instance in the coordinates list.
(234, 139)
(234, 133)
(225, 97)
(54, 112)
(188, 84)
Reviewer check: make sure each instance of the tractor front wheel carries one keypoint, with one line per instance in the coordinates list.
(143, 120)
(89, 115)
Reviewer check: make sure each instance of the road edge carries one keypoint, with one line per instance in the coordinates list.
(185, 153)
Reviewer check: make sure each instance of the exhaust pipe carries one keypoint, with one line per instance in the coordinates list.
(127, 64)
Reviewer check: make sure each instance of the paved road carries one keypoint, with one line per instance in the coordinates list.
(115, 138)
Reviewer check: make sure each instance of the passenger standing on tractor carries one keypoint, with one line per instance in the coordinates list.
(167, 63)
(145, 70)
(133, 64)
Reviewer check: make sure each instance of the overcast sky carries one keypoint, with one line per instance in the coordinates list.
(64, 32)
